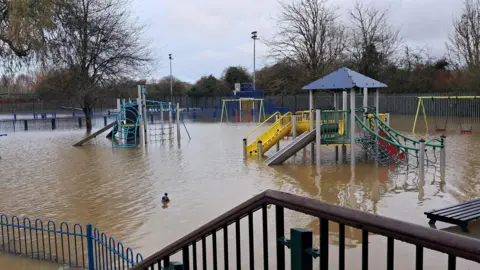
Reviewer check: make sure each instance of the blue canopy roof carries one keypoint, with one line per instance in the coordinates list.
(343, 78)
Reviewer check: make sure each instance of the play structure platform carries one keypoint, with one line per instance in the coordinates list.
(362, 127)
(334, 131)
(459, 214)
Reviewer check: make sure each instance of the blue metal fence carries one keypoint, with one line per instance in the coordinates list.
(75, 246)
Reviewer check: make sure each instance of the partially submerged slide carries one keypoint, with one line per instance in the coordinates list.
(292, 148)
(95, 134)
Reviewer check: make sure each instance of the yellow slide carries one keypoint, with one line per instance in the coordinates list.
(273, 134)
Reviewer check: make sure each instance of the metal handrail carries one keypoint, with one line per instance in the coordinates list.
(405, 137)
(382, 138)
(257, 127)
(446, 242)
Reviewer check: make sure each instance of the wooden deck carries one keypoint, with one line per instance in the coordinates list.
(459, 214)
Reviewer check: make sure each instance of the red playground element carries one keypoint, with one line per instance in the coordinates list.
(392, 151)
(249, 116)
(237, 116)
(466, 132)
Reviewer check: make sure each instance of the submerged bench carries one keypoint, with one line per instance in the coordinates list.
(459, 214)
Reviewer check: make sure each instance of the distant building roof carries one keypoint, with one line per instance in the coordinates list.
(343, 78)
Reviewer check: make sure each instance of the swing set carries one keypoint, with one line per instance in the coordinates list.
(447, 109)
(240, 105)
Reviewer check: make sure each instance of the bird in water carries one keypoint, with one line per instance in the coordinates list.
(165, 198)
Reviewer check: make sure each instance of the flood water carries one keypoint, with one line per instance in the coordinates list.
(119, 190)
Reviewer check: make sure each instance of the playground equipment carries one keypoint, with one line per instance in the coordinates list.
(447, 111)
(140, 121)
(244, 99)
(339, 128)
(148, 123)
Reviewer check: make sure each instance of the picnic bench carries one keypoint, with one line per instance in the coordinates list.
(459, 214)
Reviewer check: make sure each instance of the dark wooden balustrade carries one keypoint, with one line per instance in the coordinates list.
(300, 244)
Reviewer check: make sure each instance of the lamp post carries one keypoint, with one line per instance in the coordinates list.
(254, 37)
(171, 78)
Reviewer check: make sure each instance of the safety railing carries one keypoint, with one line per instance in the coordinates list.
(385, 127)
(376, 135)
(75, 246)
(268, 120)
(273, 128)
(300, 242)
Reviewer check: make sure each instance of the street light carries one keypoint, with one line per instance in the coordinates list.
(254, 37)
(171, 78)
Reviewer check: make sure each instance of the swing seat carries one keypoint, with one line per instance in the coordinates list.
(465, 129)
(441, 130)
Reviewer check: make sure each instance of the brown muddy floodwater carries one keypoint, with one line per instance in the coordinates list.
(119, 190)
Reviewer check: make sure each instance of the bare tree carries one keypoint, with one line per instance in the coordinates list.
(308, 35)
(464, 43)
(23, 28)
(99, 44)
(373, 41)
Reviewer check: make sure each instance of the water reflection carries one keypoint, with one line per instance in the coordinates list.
(120, 190)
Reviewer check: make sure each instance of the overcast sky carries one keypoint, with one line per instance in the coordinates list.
(205, 36)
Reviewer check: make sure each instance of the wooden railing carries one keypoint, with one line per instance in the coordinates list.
(300, 242)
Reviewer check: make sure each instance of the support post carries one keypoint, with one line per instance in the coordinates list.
(365, 105)
(54, 124)
(25, 124)
(122, 115)
(318, 133)
(80, 122)
(377, 105)
(344, 153)
(244, 148)
(118, 105)
(140, 116)
(278, 143)
(421, 159)
(344, 101)
(443, 157)
(335, 101)
(240, 110)
(387, 115)
(90, 253)
(352, 125)
(161, 113)
(259, 150)
(175, 266)
(104, 121)
(311, 106)
(170, 120)
(294, 127)
(144, 113)
(300, 242)
(178, 122)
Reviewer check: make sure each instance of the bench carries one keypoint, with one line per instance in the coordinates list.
(459, 214)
